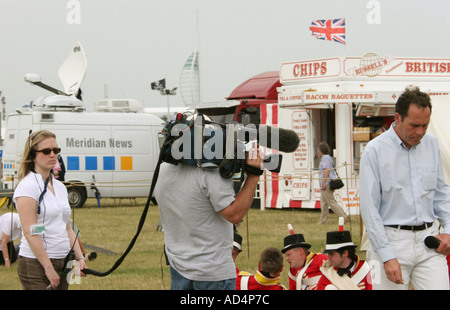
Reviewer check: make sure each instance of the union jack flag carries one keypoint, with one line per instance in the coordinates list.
(329, 29)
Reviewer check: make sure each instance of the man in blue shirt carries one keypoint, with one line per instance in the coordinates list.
(402, 193)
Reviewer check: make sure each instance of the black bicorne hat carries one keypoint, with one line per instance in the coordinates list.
(237, 242)
(294, 241)
(337, 240)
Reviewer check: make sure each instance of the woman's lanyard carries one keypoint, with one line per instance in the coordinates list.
(42, 195)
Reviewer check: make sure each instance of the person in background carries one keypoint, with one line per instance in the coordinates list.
(44, 211)
(343, 270)
(387, 122)
(267, 276)
(237, 248)
(402, 194)
(10, 230)
(59, 171)
(327, 172)
(304, 272)
(88, 256)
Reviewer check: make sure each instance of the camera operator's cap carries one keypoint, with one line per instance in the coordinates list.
(337, 240)
(294, 241)
(237, 242)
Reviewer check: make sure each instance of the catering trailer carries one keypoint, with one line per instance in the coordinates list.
(343, 101)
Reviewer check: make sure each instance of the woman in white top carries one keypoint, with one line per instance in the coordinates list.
(44, 212)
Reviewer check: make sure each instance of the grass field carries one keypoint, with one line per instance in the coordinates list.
(108, 230)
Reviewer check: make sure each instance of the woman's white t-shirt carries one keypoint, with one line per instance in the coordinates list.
(54, 215)
(10, 225)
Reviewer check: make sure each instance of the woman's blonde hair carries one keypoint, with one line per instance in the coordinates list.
(29, 152)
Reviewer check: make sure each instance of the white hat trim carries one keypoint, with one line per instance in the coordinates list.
(338, 246)
(237, 245)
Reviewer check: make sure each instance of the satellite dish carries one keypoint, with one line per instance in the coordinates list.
(73, 70)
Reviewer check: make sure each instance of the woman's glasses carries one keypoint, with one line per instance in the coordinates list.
(47, 151)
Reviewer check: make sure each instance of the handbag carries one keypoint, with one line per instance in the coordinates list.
(336, 183)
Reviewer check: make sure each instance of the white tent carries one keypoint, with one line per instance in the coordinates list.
(440, 127)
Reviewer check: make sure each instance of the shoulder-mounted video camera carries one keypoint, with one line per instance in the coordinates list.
(195, 140)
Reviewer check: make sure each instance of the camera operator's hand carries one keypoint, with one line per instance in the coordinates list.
(236, 211)
(254, 162)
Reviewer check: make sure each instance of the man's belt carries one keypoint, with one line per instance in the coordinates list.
(412, 228)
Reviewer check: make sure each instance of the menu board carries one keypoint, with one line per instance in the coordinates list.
(300, 124)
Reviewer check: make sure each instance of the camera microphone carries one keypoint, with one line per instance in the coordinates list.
(280, 139)
(283, 140)
(432, 242)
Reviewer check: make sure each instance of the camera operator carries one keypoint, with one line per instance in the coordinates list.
(198, 208)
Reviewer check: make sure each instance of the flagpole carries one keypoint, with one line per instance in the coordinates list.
(168, 109)
(161, 87)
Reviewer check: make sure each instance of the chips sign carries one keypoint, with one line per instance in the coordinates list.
(310, 69)
(370, 65)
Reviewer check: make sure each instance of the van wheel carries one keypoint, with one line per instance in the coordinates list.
(77, 196)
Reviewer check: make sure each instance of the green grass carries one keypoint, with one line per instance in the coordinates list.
(112, 227)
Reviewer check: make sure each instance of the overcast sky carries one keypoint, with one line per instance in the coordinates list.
(131, 43)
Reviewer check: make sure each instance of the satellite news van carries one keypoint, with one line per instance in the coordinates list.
(111, 150)
(339, 100)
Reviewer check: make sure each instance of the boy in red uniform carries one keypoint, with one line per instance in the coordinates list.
(343, 270)
(304, 272)
(267, 276)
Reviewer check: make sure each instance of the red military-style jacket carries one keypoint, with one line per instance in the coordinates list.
(360, 277)
(248, 281)
(306, 278)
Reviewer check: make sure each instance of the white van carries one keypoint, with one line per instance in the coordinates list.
(111, 150)
(117, 151)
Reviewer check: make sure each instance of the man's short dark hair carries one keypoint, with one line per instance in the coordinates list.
(324, 148)
(271, 260)
(351, 252)
(412, 96)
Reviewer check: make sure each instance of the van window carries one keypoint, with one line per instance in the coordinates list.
(220, 115)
